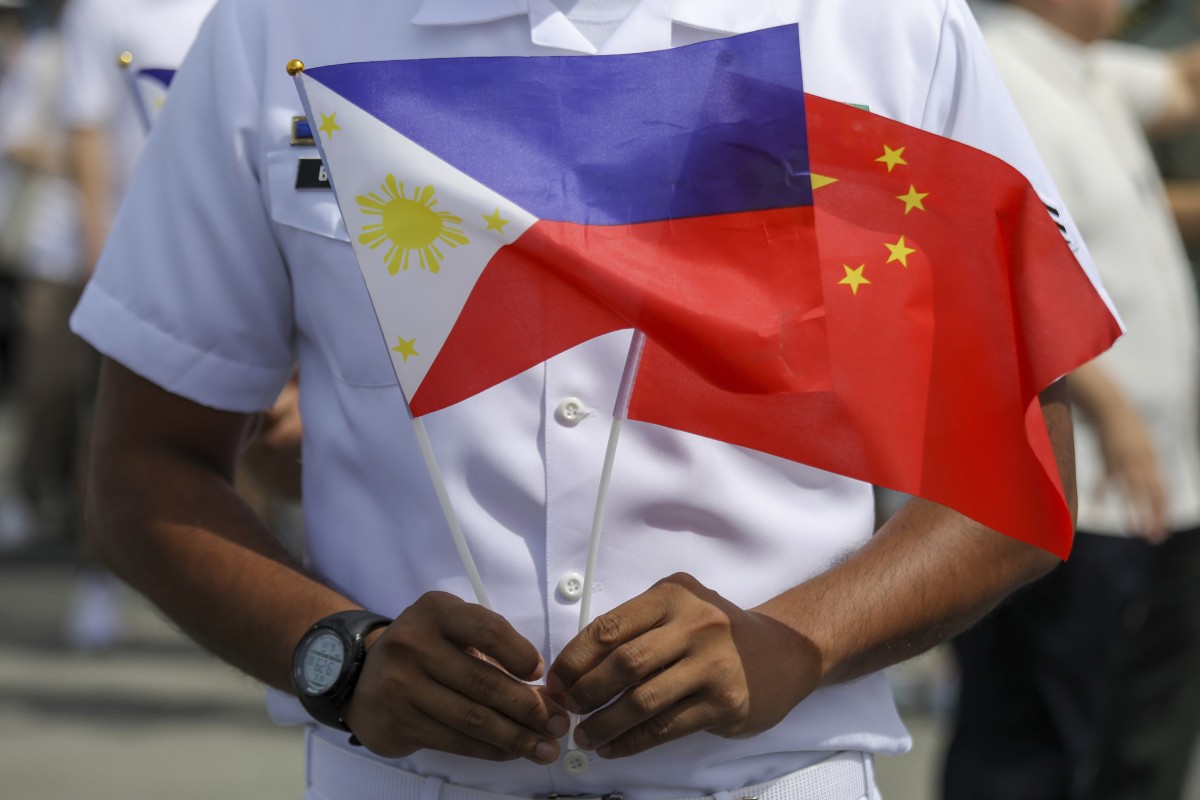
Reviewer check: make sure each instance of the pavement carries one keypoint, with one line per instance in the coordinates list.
(152, 717)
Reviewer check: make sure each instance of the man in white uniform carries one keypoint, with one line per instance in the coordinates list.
(56, 371)
(221, 274)
(97, 102)
(1035, 673)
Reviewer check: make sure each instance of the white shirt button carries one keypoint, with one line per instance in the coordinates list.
(575, 763)
(570, 412)
(571, 586)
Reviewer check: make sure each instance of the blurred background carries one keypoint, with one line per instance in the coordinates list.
(99, 696)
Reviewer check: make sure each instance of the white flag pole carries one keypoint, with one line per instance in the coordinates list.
(439, 487)
(620, 410)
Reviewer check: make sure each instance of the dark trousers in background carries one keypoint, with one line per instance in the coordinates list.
(1152, 710)
(1034, 677)
(56, 374)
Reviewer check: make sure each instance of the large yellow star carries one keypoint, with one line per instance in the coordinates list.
(329, 125)
(854, 277)
(900, 252)
(892, 157)
(495, 222)
(913, 199)
(406, 348)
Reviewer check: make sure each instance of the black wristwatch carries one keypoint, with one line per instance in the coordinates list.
(327, 663)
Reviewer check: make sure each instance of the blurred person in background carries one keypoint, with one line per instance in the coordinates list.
(1151, 723)
(1037, 675)
(55, 371)
(11, 35)
(107, 131)
(104, 136)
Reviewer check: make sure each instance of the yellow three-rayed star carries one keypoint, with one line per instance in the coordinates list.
(892, 157)
(495, 222)
(329, 125)
(913, 199)
(900, 252)
(406, 348)
(854, 277)
(821, 181)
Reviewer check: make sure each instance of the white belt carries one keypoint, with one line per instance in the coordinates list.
(337, 773)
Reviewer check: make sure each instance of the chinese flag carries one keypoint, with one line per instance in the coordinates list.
(952, 299)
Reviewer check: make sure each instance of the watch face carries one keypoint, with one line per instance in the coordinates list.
(322, 663)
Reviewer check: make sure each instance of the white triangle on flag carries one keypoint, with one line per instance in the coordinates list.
(422, 230)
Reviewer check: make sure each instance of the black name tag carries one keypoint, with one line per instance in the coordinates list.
(310, 174)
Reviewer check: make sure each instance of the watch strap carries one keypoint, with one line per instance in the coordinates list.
(352, 627)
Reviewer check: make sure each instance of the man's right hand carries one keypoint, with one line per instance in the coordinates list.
(449, 675)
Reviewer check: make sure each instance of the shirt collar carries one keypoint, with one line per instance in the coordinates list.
(648, 26)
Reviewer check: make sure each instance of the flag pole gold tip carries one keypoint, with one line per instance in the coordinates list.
(295, 66)
(125, 59)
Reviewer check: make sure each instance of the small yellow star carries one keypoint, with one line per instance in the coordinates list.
(495, 222)
(913, 199)
(900, 252)
(406, 348)
(329, 125)
(854, 277)
(892, 157)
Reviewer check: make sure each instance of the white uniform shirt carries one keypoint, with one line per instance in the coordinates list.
(220, 274)
(1074, 103)
(96, 94)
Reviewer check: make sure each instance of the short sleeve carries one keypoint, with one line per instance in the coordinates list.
(1143, 75)
(92, 82)
(191, 291)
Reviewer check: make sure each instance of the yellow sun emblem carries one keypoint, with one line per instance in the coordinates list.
(408, 225)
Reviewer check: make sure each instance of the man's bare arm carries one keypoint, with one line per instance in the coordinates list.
(681, 659)
(1130, 458)
(163, 514)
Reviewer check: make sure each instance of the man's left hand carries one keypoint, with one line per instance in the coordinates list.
(679, 659)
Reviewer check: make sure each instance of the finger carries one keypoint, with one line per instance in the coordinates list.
(637, 706)
(481, 683)
(600, 637)
(474, 626)
(453, 724)
(689, 715)
(627, 665)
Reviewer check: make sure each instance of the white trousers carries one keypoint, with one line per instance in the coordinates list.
(336, 772)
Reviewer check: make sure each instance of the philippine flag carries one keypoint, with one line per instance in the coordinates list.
(149, 86)
(503, 210)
